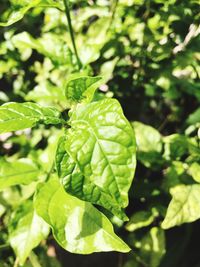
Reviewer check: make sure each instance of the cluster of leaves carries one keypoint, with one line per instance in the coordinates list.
(81, 149)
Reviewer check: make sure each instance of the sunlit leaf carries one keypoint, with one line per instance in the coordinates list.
(27, 230)
(100, 161)
(77, 226)
(22, 171)
(184, 206)
(141, 219)
(18, 116)
(20, 7)
(81, 88)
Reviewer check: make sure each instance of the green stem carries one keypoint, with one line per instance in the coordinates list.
(67, 12)
(113, 11)
(16, 263)
(34, 260)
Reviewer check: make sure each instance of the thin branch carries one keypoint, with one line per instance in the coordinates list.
(67, 12)
(34, 260)
(16, 263)
(113, 11)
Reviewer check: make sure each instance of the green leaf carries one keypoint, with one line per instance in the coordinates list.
(22, 171)
(50, 45)
(73, 181)
(27, 230)
(148, 139)
(77, 226)
(194, 117)
(194, 171)
(184, 206)
(141, 219)
(152, 247)
(99, 162)
(81, 88)
(176, 146)
(20, 7)
(18, 116)
(149, 144)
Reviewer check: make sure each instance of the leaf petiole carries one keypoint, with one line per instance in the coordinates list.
(71, 32)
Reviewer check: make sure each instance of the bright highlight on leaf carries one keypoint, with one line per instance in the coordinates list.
(77, 226)
(97, 161)
(19, 116)
(21, 7)
(28, 230)
(184, 206)
(22, 171)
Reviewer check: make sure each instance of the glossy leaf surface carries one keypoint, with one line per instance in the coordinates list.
(77, 226)
(27, 230)
(100, 161)
(19, 116)
(81, 88)
(22, 171)
(184, 206)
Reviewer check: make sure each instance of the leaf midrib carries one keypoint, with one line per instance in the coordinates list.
(97, 140)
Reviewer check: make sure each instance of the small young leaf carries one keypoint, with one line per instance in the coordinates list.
(81, 88)
(148, 139)
(19, 116)
(77, 226)
(22, 171)
(194, 170)
(100, 155)
(141, 219)
(27, 230)
(184, 206)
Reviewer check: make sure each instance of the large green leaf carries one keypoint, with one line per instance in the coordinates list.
(184, 206)
(19, 8)
(27, 230)
(18, 116)
(22, 171)
(73, 180)
(81, 88)
(99, 162)
(77, 226)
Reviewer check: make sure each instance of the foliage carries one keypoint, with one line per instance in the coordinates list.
(67, 157)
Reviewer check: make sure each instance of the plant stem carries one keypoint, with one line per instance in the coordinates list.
(67, 12)
(34, 260)
(113, 11)
(16, 263)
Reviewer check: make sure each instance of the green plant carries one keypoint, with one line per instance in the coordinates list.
(145, 54)
(95, 161)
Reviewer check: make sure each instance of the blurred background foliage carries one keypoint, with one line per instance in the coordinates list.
(148, 54)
